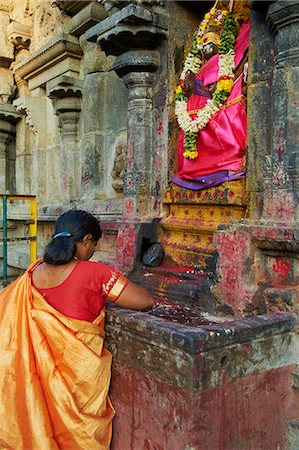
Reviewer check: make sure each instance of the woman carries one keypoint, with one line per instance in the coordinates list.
(55, 372)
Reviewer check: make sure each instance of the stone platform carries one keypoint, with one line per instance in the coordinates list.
(177, 386)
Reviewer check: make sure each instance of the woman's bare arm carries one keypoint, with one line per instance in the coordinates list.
(135, 297)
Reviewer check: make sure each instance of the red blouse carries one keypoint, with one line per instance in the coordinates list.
(83, 293)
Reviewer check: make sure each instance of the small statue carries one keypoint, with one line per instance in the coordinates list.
(212, 141)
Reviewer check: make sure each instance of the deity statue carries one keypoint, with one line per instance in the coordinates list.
(212, 140)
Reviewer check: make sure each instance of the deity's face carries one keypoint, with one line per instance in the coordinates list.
(210, 45)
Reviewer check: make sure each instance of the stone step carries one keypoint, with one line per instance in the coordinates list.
(293, 435)
(230, 193)
(182, 295)
(193, 217)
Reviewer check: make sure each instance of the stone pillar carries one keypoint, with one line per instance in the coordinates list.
(137, 71)
(133, 35)
(8, 118)
(258, 259)
(65, 93)
(282, 180)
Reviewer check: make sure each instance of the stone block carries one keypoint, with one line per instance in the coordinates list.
(70, 7)
(192, 358)
(104, 103)
(85, 19)
(94, 59)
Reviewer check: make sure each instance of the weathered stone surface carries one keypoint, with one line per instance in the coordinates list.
(259, 134)
(293, 435)
(153, 414)
(192, 358)
(100, 111)
(138, 60)
(261, 51)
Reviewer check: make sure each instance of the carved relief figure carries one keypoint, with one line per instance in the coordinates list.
(47, 23)
(212, 141)
(118, 172)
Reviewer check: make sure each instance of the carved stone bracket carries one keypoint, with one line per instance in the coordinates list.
(66, 93)
(283, 19)
(19, 35)
(10, 114)
(112, 6)
(133, 27)
(60, 56)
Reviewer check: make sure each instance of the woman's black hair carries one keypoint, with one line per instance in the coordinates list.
(76, 224)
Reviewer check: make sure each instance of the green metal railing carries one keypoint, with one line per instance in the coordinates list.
(32, 229)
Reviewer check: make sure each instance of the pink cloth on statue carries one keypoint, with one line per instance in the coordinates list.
(221, 144)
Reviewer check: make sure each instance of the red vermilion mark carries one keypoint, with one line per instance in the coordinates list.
(282, 267)
(129, 206)
(160, 128)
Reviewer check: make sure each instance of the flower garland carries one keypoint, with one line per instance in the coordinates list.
(225, 80)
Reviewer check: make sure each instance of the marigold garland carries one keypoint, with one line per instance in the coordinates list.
(225, 79)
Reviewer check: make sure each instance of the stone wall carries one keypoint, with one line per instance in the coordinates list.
(63, 114)
(72, 134)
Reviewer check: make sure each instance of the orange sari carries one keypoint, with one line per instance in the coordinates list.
(54, 375)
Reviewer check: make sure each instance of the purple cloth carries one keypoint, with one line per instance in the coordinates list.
(208, 181)
(199, 89)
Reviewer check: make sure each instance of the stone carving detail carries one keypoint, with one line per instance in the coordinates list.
(23, 11)
(47, 23)
(19, 35)
(118, 172)
(7, 88)
(34, 112)
(6, 5)
(6, 48)
(70, 7)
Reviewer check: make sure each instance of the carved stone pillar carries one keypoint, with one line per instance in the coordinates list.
(8, 118)
(133, 34)
(258, 259)
(137, 71)
(282, 183)
(66, 93)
